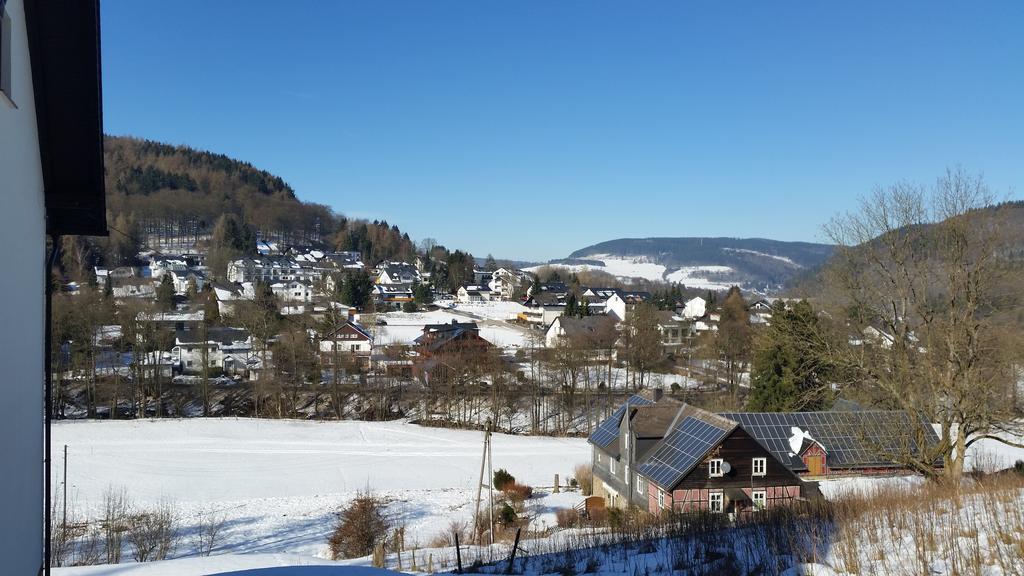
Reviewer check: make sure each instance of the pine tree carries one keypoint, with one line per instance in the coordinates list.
(165, 293)
(789, 372)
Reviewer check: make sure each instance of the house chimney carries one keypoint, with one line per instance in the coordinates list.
(658, 393)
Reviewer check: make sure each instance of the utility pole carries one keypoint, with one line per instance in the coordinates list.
(485, 463)
(64, 520)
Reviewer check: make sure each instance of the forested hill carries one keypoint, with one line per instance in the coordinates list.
(175, 195)
(748, 262)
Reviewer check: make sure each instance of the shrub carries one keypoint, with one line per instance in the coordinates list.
(153, 535)
(502, 479)
(585, 478)
(567, 517)
(517, 493)
(409, 307)
(598, 516)
(1018, 467)
(506, 515)
(361, 525)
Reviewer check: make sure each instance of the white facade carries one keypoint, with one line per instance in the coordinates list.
(695, 308)
(617, 306)
(21, 220)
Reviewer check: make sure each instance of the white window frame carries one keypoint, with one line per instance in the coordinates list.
(761, 463)
(661, 498)
(639, 484)
(625, 469)
(761, 495)
(611, 465)
(716, 498)
(715, 468)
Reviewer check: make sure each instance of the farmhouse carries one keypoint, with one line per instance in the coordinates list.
(663, 455)
(350, 341)
(444, 349)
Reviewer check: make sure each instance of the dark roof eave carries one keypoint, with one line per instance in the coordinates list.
(64, 48)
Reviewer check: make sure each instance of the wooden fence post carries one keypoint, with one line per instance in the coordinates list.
(515, 546)
(458, 554)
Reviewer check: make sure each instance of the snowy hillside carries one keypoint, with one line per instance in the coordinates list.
(706, 263)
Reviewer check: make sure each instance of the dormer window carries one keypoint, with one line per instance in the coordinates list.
(715, 468)
(760, 466)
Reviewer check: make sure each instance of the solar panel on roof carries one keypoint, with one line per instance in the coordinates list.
(684, 446)
(608, 431)
(851, 439)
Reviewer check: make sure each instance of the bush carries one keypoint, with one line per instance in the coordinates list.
(567, 517)
(598, 516)
(506, 515)
(361, 526)
(502, 479)
(517, 493)
(409, 307)
(585, 478)
(153, 535)
(1018, 467)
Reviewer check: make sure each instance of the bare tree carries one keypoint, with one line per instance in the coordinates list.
(921, 281)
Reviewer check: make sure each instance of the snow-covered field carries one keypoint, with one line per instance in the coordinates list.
(705, 277)
(697, 277)
(624, 268)
(404, 328)
(279, 483)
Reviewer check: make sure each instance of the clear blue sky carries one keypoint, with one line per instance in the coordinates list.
(530, 129)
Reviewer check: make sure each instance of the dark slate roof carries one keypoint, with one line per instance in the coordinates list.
(590, 330)
(606, 434)
(852, 439)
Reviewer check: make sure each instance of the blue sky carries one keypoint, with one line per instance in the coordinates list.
(531, 129)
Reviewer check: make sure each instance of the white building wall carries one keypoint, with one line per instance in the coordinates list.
(21, 342)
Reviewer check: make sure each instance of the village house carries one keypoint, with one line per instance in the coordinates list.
(444, 348)
(694, 308)
(466, 294)
(131, 287)
(392, 273)
(183, 279)
(160, 265)
(674, 330)
(349, 342)
(505, 282)
(292, 291)
(270, 270)
(621, 302)
(226, 350)
(587, 333)
(659, 454)
(394, 294)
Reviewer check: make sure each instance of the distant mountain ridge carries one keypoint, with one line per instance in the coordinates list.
(714, 263)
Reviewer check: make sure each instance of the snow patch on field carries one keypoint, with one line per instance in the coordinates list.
(763, 255)
(624, 268)
(697, 277)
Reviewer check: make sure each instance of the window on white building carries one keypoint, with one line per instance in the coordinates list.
(611, 465)
(715, 468)
(715, 502)
(758, 496)
(760, 466)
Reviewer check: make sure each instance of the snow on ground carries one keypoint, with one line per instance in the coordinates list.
(763, 255)
(235, 564)
(405, 327)
(279, 483)
(697, 277)
(497, 310)
(616, 266)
